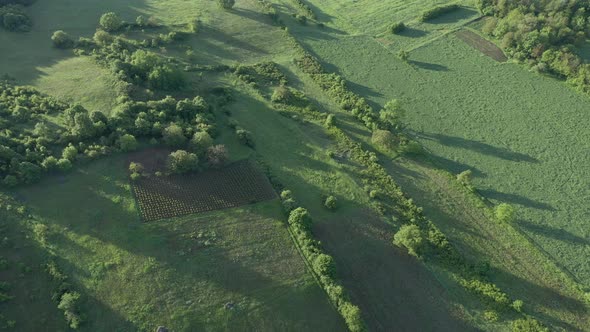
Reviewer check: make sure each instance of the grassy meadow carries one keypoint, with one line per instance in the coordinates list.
(226, 270)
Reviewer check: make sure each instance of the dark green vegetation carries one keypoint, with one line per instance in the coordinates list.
(415, 191)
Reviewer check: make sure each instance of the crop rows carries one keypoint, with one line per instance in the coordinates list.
(179, 195)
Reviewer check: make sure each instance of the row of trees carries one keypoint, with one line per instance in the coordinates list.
(544, 34)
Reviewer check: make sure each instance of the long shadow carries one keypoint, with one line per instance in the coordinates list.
(252, 15)
(516, 199)
(540, 296)
(413, 33)
(428, 66)
(452, 166)
(555, 233)
(454, 16)
(388, 285)
(479, 147)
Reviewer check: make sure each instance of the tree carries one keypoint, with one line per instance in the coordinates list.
(300, 217)
(111, 22)
(226, 4)
(62, 40)
(397, 27)
(166, 77)
(410, 237)
(392, 114)
(70, 152)
(331, 203)
(384, 139)
(324, 265)
(200, 142)
(173, 135)
(217, 156)
(245, 137)
(505, 212)
(127, 143)
(181, 161)
(69, 304)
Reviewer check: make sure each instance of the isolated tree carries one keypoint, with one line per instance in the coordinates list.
(410, 237)
(111, 22)
(62, 40)
(245, 137)
(505, 212)
(173, 135)
(217, 156)
(384, 139)
(331, 203)
(392, 114)
(226, 4)
(181, 161)
(397, 27)
(127, 142)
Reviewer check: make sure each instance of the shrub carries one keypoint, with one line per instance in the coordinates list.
(491, 316)
(410, 237)
(518, 305)
(465, 177)
(397, 27)
(331, 203)
(403, 55)
(62, 40)
(69, 305)
(289, 204)
(127, 143)
(330, 120)
(245, 137)
(384, 139)
(302, 19)
(103, 38)
(181, 161)
(226, 4)
(286, 194)
(282, 94)
(136, 168)
(412, 148)
(217, 156)
(111, 22)
(505, 213)
(64, 164)
(528, 325)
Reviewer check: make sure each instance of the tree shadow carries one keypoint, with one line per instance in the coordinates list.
(411, 32)
(480, 147)
(515, 199)
(428, 66)
(454, 16)
(452, 166)
(388, 285)
(252, 15)
(554, 233)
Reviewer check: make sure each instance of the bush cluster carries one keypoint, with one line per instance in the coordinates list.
(14, 18)
(397, 27)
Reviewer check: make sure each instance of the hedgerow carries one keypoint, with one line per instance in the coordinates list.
(438, 11)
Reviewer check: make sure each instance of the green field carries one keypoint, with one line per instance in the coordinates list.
(177, 273)
(523, 135)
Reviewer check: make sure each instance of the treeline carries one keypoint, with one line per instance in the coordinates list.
(544, 34)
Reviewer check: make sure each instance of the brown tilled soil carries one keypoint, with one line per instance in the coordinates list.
(483, 45)
(178, 195)
(394, 291)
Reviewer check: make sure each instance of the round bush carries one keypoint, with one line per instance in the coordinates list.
(62, 40)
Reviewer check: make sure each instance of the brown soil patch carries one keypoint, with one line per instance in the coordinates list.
(178, 195)
(394, 290)
(483, 45)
